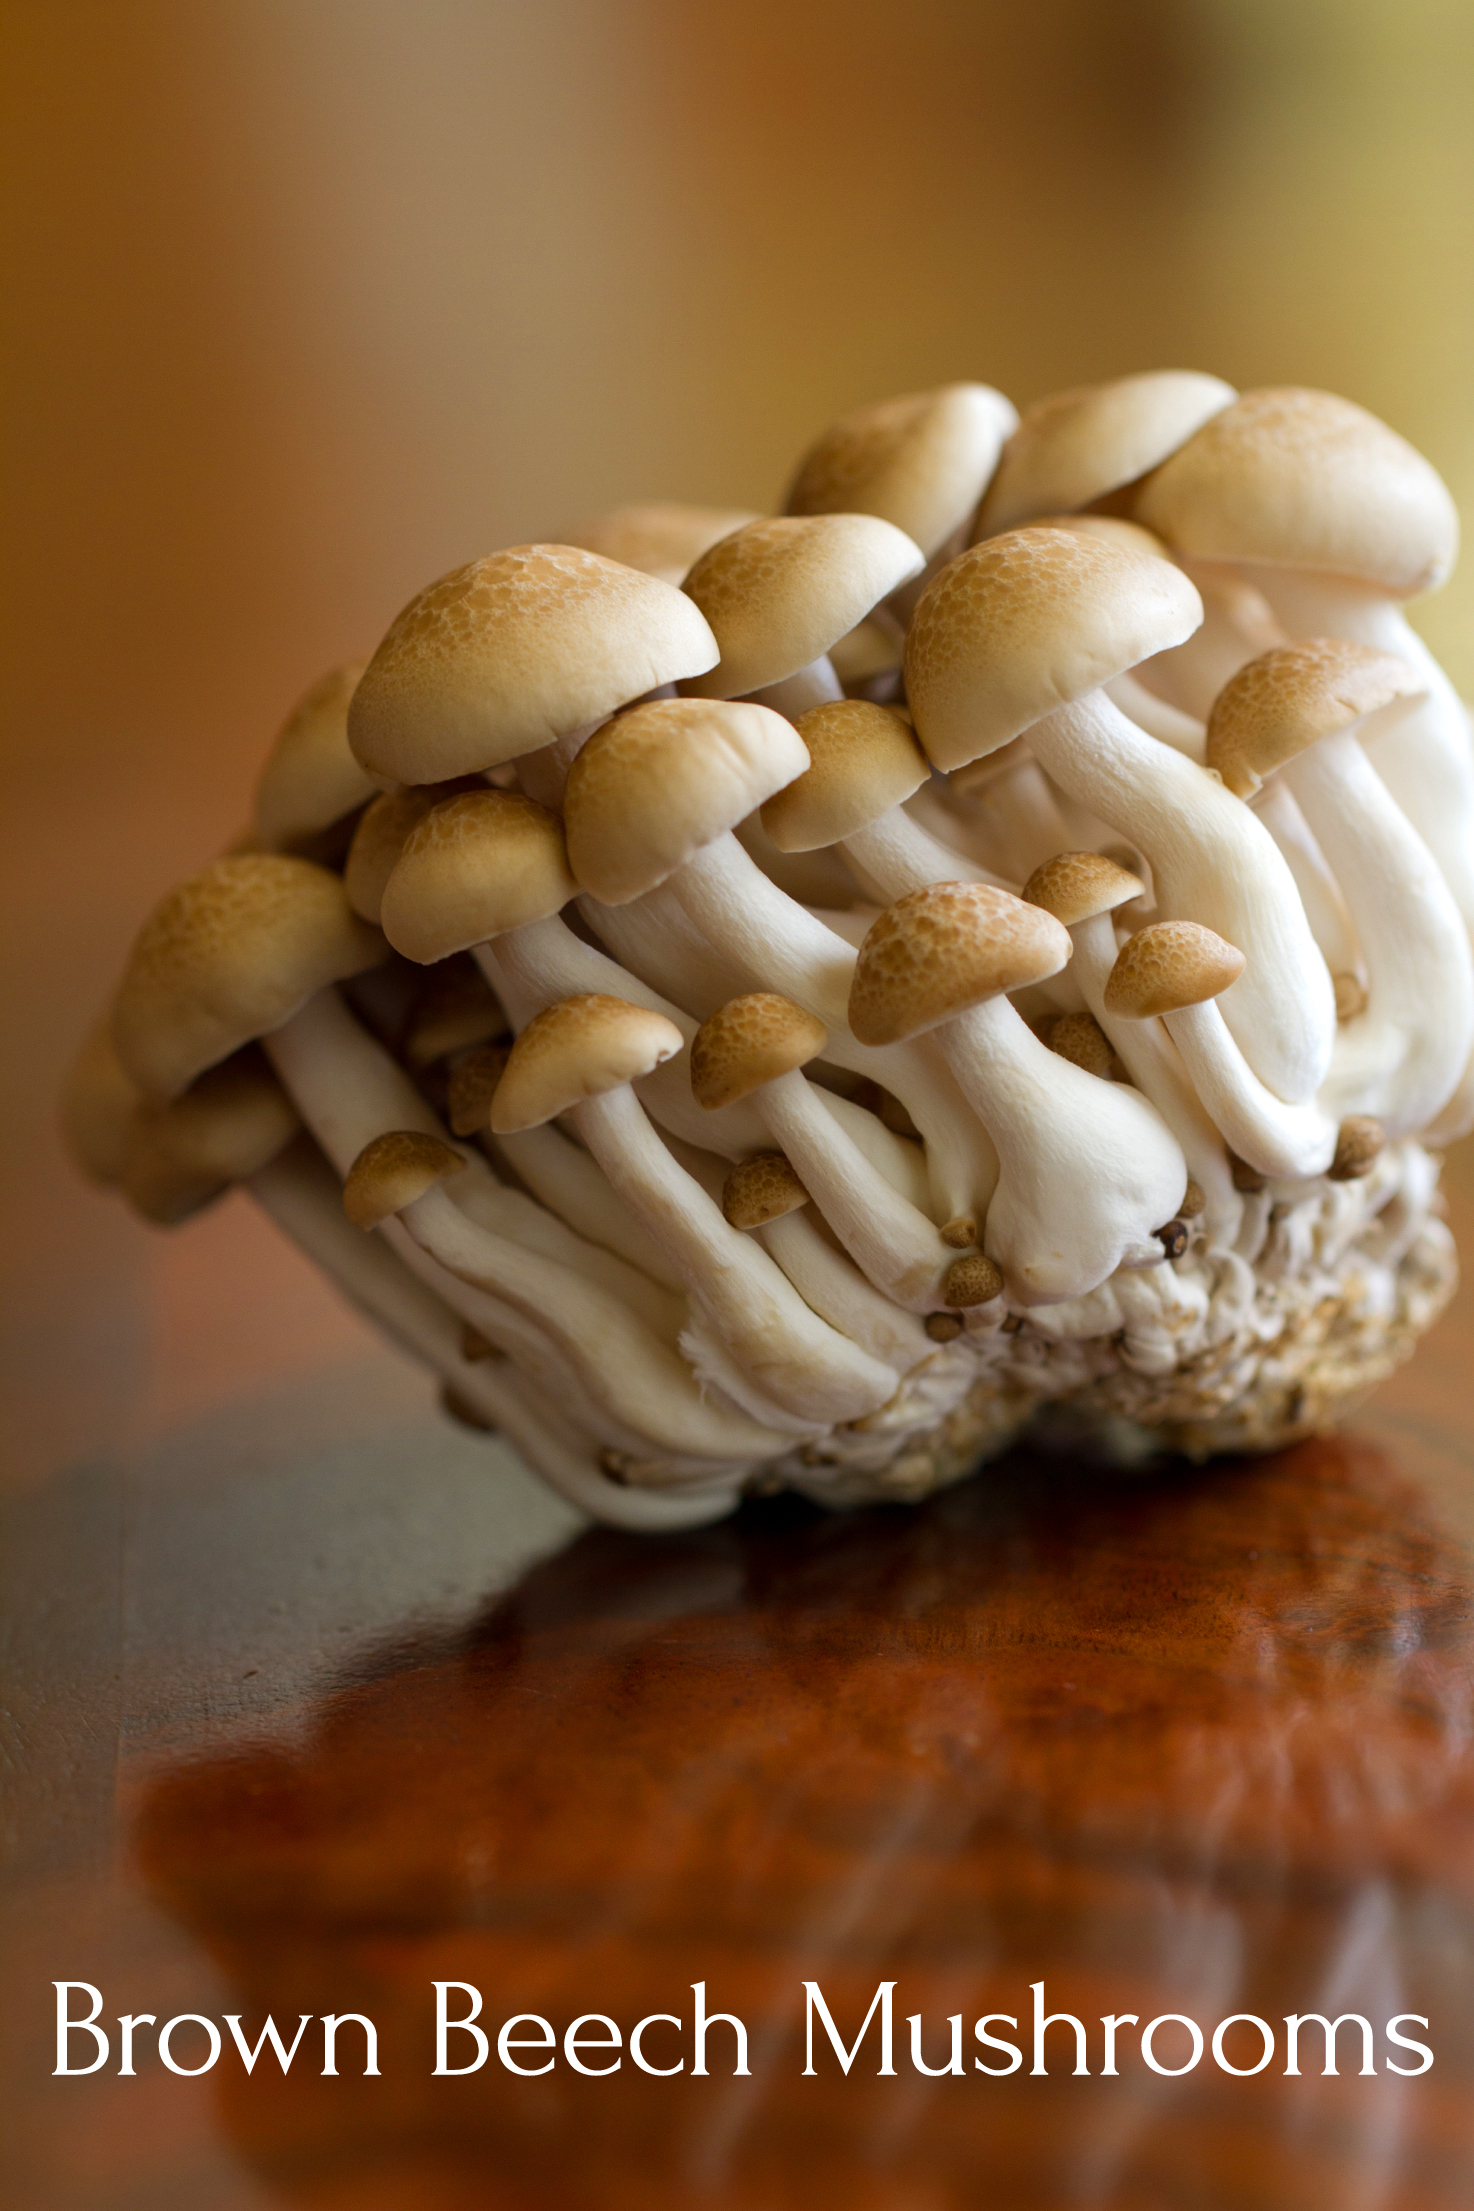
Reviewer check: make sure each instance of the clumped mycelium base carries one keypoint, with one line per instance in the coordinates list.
(793, 1001)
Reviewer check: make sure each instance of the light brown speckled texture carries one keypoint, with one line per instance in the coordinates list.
(394, 1170)
(1078, 445)
(1282, 702)
(577, 1049)
(1075, 886)
(1170, 965)
(780, 592)
(921, 461)
(475, 866)
(749, 1041)
(864, 759)
(762, 1189)
(939, 950)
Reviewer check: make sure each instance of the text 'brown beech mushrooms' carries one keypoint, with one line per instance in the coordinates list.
(756, 1001)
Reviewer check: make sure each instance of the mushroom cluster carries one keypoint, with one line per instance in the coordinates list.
(790, 1000)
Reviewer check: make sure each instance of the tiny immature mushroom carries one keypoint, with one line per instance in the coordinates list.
(762, 1189)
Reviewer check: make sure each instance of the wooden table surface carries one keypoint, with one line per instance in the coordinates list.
(318, 1702)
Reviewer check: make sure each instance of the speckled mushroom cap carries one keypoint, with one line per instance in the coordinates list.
(660, 538)
(750, 1041)
(508, 653)
(1076, 886)
(311, 779)
(477, 865)
(232, 1121)
(1168, 966)
(229, 956)
(863, 760)
(1079, 445)
(578, 1049)
(651, 788)
(1302, 479)
(921, 461)
(381, 835)
(1027, 622)
(938, 951)
(1111, 529)
(394, 1170)
(1291, 696)
(780, 592)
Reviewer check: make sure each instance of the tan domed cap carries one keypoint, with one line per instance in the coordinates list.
(749, 1041)
(1111, 529)
(863, 760)
(311, 779)
(921, 461)
(99, 1104)
(1170, 965)
(780, 592)
(1078, 445)
(1027, 622)
(472, 1087)
(762, 1189)
(938, 951)
(394, 1170)
(227, 1125)
(1076, 886)
(660, 537)
(578, 1049)
(1303, 479)
(228, 957)
(508, 653)
(475, 867)
(651, 788)
(1291, 696)
(381, 836)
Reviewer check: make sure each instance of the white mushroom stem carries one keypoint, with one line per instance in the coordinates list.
(561, 1176)
(783, 947)
(348, 1091)
(542, 774)
(303, 1198)
(1276, 1138)
(1213, 862)
(794, 1357)
(1158, 717)
(1088, 1170)
(814, 685)
(1419, 746)
(1401, 1059)
(1155, 1066)
(1320, 893)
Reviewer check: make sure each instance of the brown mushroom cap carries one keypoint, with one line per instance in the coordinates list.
(382, 834)
(472, 1087)
(575, 1050)
(1304, 479)
(921, 461)
(1170, 965)
(780, 592)
(229, 956)
(1076, 446)
(650, 789)
(311, 779)
(1293, 695)
(1027, 622)
(99, 1105)
(394, 1170)
(1076, 886)
(975, 1280)
(761, 1189)
(938, 951)
(863, 760)
(1111, 529)
(749, 1041)
(659, 537)
(232, 1121)
(476, 866)
(508, 653)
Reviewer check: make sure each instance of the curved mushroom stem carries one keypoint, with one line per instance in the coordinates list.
(1320, 893)
(1401, 1059)
(1158, 717)
(348, 1091)
(1419, 746)
(1275, 1138)
(1213, 862)
(562, 1177)
(302, 1196)
(814, 685)
(1155, 1066)
(1088, 1170)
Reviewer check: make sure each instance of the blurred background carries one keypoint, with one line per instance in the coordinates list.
(309, 300)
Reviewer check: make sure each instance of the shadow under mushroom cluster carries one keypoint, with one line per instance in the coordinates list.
(785, 1001)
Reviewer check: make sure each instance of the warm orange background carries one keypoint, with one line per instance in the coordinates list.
(310, 299)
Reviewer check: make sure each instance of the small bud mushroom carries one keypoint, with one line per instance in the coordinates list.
(755, 1046)
(780, 592)
(1075, 447)
(229, 956)
(383, 830)
(974, 1280)
(761, 1189)
(653, 799)
(521, 653)
(311, 779)
(1177, 969)
(392, 1171)
(660, 537)
(1086, 1169)
(1359, 1143)
(1079, 1038)
(580, 1056)
(1337, 520)
(1294, 713)
(1020, 634)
